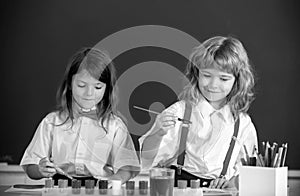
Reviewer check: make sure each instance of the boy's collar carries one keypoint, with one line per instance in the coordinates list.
(227, 114)
(206, 110)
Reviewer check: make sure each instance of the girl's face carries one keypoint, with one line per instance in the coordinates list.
(87, 91)
(215, 85)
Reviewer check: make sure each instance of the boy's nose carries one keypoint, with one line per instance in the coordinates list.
(214, 82)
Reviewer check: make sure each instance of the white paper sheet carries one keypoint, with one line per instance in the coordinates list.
(24, 190)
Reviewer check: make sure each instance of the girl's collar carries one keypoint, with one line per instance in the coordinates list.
(77, 107)
(87, 110)
(79, 111)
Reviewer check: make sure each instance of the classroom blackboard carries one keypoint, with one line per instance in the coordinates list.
(38, 38)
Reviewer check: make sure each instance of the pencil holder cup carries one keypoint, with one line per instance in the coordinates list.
(263, 181)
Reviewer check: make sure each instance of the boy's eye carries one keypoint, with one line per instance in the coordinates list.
(205, 74)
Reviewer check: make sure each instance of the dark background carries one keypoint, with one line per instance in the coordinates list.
(38, 37)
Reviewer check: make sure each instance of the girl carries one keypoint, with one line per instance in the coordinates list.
(84, 137)
(220, 92)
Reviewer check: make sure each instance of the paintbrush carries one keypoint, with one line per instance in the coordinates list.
(58, 169)
(154, 112)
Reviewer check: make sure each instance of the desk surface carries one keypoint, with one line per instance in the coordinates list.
(56, 192)
(293, 181)
(292, 192)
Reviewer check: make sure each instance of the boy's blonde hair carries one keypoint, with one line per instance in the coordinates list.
(226, 54)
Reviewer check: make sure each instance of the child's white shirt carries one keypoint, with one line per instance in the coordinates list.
(82, 149)
(207, 143)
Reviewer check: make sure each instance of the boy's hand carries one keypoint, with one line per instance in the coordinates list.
(221, 183)
(164, 122)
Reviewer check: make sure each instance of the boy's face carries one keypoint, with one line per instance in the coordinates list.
(215, 85)
(87, 91)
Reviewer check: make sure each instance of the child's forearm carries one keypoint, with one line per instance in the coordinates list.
(235, 181)
(124, 174)
(150, 147)
(32, 170)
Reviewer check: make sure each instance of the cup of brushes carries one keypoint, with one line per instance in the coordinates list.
(264, 173)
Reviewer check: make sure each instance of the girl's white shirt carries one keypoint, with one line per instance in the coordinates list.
(207, 143)
(83, 149)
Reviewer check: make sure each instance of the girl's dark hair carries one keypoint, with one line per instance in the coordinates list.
(99, 65)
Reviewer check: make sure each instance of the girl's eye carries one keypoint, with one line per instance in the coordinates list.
(224, 79)
(81, 85)
(98, 87)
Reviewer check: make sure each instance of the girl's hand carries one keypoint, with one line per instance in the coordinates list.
(46, 168)
(221, 183)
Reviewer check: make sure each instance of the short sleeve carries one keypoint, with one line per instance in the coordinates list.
(41, 143)
(123, 152)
